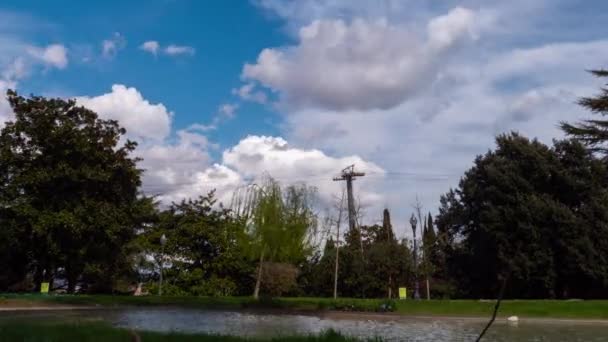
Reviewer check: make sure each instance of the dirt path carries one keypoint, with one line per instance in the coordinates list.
(22, 305)
(396, 317)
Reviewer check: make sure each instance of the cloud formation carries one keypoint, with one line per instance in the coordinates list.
(111, 46)
(142, 119)
(359, 65)
(151, 46)
(54, 55)
(154, 47)
(177, 50)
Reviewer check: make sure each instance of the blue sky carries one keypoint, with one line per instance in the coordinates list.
(217, 93)
(191, 86)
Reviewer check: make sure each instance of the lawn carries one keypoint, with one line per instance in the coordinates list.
(588, 309)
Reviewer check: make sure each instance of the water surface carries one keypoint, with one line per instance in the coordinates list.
(391, 328)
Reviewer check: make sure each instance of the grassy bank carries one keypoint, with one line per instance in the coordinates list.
(589, 309)
(95, 331)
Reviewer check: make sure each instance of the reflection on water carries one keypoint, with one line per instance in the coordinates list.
(399, 329)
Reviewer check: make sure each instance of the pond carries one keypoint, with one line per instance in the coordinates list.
(390, 328)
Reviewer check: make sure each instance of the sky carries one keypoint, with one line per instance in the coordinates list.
(219, 93)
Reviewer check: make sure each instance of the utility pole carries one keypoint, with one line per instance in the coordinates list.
(348, 175)
(338, 245)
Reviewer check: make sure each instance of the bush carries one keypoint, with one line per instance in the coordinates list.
(215, 287)
(278, 278)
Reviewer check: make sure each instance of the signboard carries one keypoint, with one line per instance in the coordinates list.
(402, 293)
(44, 288)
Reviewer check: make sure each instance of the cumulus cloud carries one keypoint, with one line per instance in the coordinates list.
(111, 46)
(362, 64)
(177, 50)
(150, 46)
(142, 119)
(184, 169)
(54, 55)
(257, 155)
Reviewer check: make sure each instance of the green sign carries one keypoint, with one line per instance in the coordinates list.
(402, 293)
(44, 288)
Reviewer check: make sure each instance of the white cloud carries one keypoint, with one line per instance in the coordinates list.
(184, 169)
(362, 64)
(111, 46)
(228, 110)
(247, 92)
(150, 46)
(142, 119)
(176, 50)
(254, 156)
(54, 55)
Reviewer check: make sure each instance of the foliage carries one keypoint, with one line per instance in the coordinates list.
(592, 132)
(280, 224)
(68, 194)
(372, 261)
(278, 278)
(204, 252)
(534, 214)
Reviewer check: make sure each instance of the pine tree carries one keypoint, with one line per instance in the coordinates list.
(593, 133)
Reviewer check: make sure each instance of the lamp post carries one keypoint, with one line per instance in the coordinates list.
(163, 241)
(413, 222)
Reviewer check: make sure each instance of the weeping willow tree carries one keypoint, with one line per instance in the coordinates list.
(281, 223)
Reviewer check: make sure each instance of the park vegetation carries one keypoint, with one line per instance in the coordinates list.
(526, 217)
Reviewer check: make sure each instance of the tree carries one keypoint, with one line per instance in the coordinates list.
(68, 191)
(530, 213)
(280, 224)
(429, 242)
(593, 133)
(204, 248)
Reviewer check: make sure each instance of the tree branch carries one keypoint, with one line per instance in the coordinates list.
(500, 295)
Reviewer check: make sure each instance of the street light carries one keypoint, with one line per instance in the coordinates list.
(163, 241)
(413, 222)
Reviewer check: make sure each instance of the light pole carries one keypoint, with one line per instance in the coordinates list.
(163, 241)
(413, 222)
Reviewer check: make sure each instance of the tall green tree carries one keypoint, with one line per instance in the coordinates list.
(530, 213)
(68, 191)
(592, 132)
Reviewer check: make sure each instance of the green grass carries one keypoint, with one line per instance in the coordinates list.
(97, 331)
(588, 309)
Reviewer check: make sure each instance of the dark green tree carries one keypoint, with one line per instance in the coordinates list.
(204, 248)
(533, 214)
(68, 192)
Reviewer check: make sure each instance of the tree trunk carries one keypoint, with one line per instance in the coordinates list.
(38, 277)
(71, 277)
(258, 281)
(428, 289)
(390, 287)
